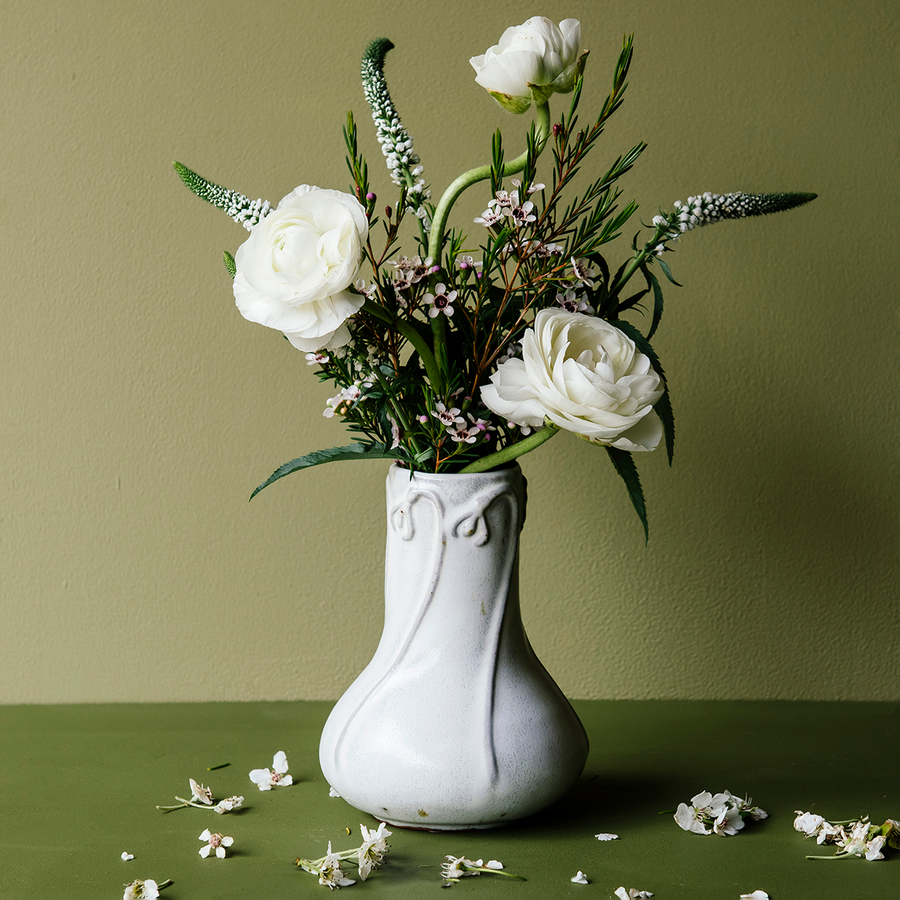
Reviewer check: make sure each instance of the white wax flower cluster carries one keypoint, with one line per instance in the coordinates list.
(295, 269)
(531, 62)
(583, 375)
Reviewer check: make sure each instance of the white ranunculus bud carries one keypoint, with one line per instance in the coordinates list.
(295, 268)
(531, 62)
(585, 376)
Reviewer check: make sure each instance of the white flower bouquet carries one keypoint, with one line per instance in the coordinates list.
(463, 353)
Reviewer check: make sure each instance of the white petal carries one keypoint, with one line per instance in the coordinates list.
(207, 834)
(280, 763)
(204, 851)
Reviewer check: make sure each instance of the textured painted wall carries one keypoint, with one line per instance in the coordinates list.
(139, 409)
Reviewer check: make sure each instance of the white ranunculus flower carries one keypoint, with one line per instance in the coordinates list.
(531, 62)
(584, 375)
(295, 268)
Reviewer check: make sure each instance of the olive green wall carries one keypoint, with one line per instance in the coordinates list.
(139, 409)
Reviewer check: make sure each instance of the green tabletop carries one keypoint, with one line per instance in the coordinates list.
(80, 784)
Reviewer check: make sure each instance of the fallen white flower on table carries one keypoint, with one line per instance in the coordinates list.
(580, 878)
(373, 848)
(215, 841)
(144, 889)
(228, 805)
(854, 837)
(756, 895)
(606, 837)
(458, 867)
(722, 813)
(200, 793)
(202, 798)
(266, 779)
(632, 894)
(126, 856)
(369, 855)
(330, 873)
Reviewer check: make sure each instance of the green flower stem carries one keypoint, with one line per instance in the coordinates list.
(413, 336)
(636, 263)
(508, 454)
(402, 421)
(482, 173)
(183, 804)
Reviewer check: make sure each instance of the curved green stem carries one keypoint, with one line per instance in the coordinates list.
(482, 173)
(508, 454)
(413, 336)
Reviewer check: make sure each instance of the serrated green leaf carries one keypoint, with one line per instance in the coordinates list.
(335, 454)
(657, 302)
(627, 471)
(667, 271)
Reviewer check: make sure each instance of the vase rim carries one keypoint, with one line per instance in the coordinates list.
(508, 470)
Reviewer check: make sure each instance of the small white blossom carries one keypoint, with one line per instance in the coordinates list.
(316, 359)
(141, 890)
(126, 856)
(440, 301)
(873, 848)
(374, 846)
(583, 271)
(756, 895)
(447, 417)
(632, 894)
(572, 303)
(489, 218)
(579, 878)
(606, 837)
(228, 804)
(454, 868)
(215, 841)
(200, 793)
(330, 873)
(265, 780)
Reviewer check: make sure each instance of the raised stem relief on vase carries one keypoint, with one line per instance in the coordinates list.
(454, 723)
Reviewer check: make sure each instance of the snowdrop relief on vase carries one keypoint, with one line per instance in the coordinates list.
(522, 326)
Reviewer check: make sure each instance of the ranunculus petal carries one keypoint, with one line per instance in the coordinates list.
(295, 268)
(534, 59)
(585, 376)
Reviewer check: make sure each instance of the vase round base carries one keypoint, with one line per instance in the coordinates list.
(454, 724)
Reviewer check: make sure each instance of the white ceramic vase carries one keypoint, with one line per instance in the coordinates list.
(454, 724)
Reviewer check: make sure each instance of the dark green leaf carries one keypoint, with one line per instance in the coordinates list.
(627, 471)
(335, 454)
(667, 271)
(657, 302)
